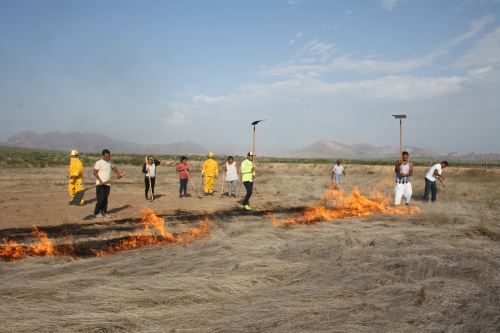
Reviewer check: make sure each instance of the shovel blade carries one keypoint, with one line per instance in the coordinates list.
(78, 197)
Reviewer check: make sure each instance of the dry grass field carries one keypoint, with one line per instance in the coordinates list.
(434, 271)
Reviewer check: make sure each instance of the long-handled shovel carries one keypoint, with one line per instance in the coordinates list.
(192, 185)
(80, 194)
(222, 183)
(151, 187)
(253, 147)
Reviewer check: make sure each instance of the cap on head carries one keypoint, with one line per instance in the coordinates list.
(210, 155)
(74, 153)
(250, 153)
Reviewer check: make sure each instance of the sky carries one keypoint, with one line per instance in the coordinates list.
(170, 71)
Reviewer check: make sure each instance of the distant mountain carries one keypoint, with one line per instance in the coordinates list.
(92, 142)
(333, 149)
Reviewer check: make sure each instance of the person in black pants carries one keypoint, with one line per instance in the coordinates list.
(149, 169)
(102, 173)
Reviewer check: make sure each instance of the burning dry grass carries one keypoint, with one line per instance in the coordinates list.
(338, 205)
(154, 232)
(436, 271)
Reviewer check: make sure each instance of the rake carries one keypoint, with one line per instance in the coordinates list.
(192, 185)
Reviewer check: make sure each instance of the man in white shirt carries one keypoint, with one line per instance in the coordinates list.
(102, 173)
(435, 172)
(337, 173)
(232, 177)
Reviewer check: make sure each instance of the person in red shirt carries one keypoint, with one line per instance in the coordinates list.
(183, 169)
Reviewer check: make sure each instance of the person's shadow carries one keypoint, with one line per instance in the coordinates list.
(111, 211)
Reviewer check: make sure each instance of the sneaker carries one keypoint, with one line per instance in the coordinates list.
(99, 215)
(246, 207)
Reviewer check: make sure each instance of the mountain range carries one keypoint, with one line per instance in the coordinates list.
(333, 149)
(92, 142)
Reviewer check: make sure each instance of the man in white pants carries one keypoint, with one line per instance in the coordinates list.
(403, 170)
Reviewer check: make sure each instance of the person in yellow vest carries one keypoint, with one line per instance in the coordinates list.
(75, 176)
(247, 170)
(210, 171)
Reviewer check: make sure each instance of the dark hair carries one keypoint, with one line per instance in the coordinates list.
(105, 151)
(230, 158)
(183, 158)
(445, 163)
(405, 153)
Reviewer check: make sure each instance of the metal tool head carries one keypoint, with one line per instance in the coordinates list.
(257, 121)
(399, 116)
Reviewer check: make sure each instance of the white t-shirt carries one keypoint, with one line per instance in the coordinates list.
(104, 171)
(338, 169)
(231, 172)
(430, 174)
(151, 168)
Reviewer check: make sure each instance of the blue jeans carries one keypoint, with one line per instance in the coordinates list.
(430, 186)
(183, 183)
(337, 180)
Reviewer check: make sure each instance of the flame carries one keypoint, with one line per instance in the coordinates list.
(11, 250)
(341, 205)
(154, 232)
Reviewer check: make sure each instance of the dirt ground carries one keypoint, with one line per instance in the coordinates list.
(436, 271)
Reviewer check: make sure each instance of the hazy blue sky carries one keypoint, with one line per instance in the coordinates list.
(164, 71)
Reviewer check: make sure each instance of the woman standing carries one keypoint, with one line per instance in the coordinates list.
(183, 169)
(149, 169)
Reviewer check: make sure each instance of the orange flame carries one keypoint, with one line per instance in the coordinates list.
(11, 250)
(339, 205)
(154, 232)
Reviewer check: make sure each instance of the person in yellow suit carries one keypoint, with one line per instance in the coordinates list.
(210, 171)
(75, 176)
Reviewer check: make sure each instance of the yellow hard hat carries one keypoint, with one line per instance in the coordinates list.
(211, 155)
(74, 153)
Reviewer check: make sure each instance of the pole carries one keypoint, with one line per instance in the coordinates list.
(400, 137)
(253, 147)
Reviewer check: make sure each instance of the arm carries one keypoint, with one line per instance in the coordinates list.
(118, 173)
(439, 177)
(96, 175)
(144, 170)
(157, 162)
(397, 166)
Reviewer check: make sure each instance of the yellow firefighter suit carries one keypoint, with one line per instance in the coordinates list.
(210, 171)
(75, 177)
